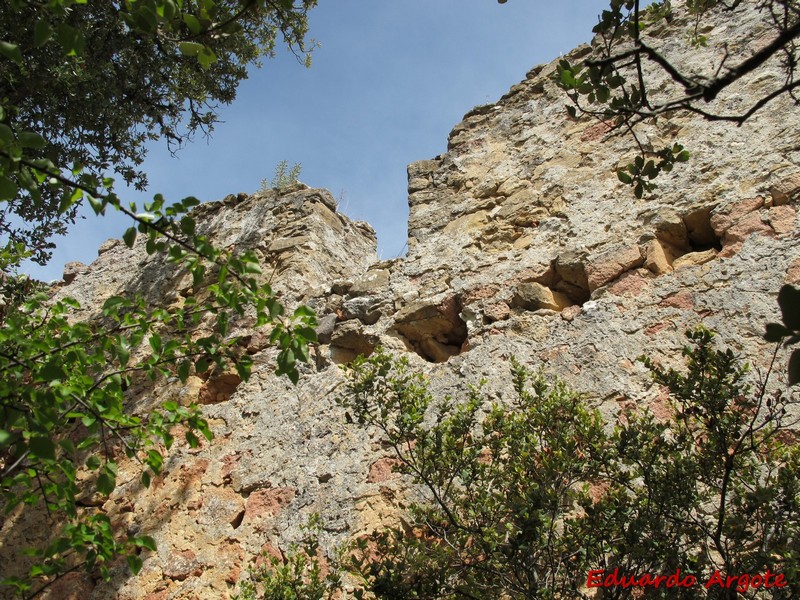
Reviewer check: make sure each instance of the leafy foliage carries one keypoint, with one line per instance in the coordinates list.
(84, 86)
(283, 178)
(522, 499)
(62, 390)
(69, 67)
(297, 575)
(616, 85)
(501, 489)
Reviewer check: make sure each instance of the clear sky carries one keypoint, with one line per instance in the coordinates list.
(388, 83)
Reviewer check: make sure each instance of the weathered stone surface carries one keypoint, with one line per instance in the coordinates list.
(521, 217)
(658, 258)
(433, 327)
(786, 189)
(325, 328)
(612, 263)
(533, 296)
(72, 270)
(351, 336)
(695, 259)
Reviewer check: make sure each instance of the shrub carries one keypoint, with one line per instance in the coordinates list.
(526, 498)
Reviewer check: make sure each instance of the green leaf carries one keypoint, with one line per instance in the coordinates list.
(31, 139)
(190, 48)
(307, 333)
(42, 32)
(154, 460)
(183, 370)
(192, 23)
(206, 57)
(8, 189)
(11, 51)
(71, 39)
(129, 236)
(42, 447)
(243, 369)
(187, 225)
(201, 365)
(5, 437)
(145, 541)
(6, 134)
(135, 563)
(106, 482)
(68, 200)
(52, 371)
(192, 439)
(304, 311)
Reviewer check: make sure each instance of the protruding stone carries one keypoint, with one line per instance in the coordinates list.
(785, 190)
(107, 245)
(533, 296)
(325, 328)
(611, 264)
(72, 270)
(351, 336)
(693, 259)
(657, 259)
(375, 280)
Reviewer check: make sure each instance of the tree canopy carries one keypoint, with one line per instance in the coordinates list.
(96, 80)
(84, 86)
(615, 84)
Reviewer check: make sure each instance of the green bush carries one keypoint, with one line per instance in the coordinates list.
(526, 498)
(296, 575)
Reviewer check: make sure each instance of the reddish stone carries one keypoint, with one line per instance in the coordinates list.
(661, 407)
(219, 389)
(596, 131)
(181, 565)
(496, 311)
(736, 235)
(193, 472)
(481, 292)
(722, 221)
(268, 503)
(793, 273)
(229, 463)
(610, 265)
(783, 218)
(629, 284)
(683, 300)
(542, 273)
(570, 312)
(654, 329)
(382, 469)
(267, 553)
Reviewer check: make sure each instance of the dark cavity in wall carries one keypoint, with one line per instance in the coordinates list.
(435, 331)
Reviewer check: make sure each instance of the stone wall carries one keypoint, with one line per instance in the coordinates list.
(522, 242)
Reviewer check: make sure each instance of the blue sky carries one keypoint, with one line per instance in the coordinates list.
(387, 84)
